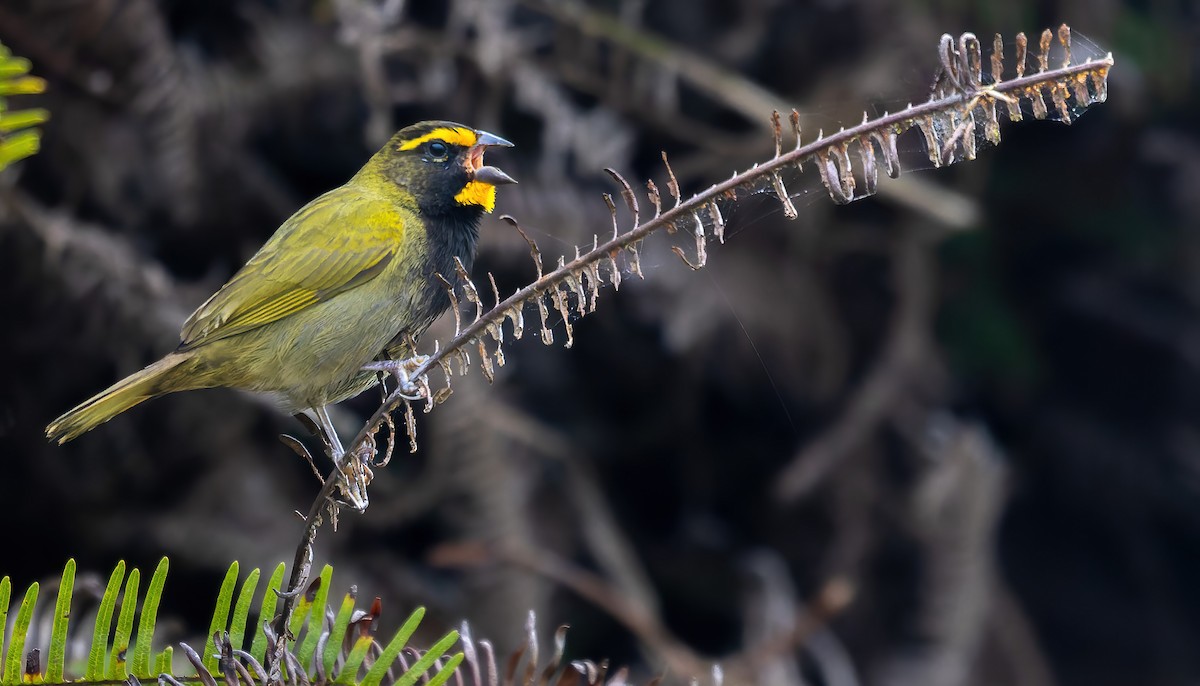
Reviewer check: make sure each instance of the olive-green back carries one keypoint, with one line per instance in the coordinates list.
(340, 240)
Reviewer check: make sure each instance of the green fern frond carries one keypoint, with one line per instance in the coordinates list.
(19, 137)
(319, 656)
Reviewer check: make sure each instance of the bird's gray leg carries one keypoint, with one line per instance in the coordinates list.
(401, 371)
(320, 417)
(355, 474)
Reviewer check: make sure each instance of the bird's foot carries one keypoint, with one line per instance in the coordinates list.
(402, 371)
(355, 475)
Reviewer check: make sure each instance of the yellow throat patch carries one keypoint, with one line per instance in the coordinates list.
(478, 193)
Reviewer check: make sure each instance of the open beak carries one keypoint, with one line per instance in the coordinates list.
(490, 140)
(475, 166)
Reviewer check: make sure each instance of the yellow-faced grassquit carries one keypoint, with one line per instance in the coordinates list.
(335, 288)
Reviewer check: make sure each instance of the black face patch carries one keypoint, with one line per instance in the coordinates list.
(433, 177)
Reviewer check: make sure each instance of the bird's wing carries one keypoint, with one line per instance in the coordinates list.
(336, 242)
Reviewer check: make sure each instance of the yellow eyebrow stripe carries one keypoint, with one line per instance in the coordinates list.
(453, 136)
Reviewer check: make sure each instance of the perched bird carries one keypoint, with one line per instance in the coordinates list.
(311, 317)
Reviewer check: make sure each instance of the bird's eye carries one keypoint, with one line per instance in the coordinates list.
(438, 150)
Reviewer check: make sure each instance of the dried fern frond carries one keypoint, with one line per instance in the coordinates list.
(523, 666)
(963, 112)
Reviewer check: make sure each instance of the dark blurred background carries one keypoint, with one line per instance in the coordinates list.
(947, 435)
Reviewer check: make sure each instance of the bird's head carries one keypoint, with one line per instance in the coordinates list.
(441, 164)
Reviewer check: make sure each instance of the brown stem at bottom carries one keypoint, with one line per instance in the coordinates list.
(301, 569)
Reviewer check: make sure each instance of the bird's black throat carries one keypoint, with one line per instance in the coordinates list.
(452, 232)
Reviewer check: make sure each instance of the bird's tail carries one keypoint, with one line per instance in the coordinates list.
(158, 379)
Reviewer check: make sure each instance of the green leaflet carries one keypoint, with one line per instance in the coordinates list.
(117, 668)
(316, 618)
(266, 613)
(241, 611)
(145, 634)
(338, 633)
(5, 592)
(354, 660)
(24, 85)
(14, 661)
(420, 666)
(381, 666)
(165, 659)
(62, 616)
(220, 618)
(12, 121)
(19, 146)
(95, 664)
(446, 672)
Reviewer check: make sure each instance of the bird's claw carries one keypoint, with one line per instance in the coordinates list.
(402, 371)
(355, 475)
